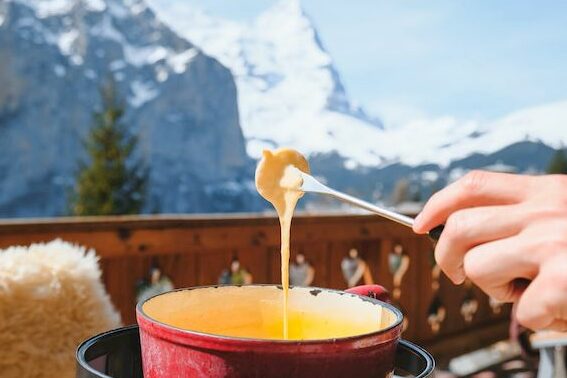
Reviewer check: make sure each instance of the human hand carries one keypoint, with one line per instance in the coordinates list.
(503, 231)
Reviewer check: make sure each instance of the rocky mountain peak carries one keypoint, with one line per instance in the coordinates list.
(57, 53)
(289, 91)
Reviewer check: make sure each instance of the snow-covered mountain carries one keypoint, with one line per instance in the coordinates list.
(187, 108)
(290, 94)
(445, 140)
(55, 55)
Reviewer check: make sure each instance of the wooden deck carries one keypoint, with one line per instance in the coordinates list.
(193, 250)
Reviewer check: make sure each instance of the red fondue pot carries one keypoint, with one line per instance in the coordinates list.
(170, 351)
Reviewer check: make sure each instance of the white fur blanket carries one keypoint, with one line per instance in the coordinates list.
(51, 299)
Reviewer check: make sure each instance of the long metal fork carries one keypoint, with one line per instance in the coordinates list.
(311, 185)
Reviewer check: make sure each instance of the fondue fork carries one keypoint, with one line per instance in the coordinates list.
(312, 185)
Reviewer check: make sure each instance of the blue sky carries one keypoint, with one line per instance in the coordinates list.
(471, 59)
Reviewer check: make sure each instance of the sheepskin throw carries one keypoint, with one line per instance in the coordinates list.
(51, 299)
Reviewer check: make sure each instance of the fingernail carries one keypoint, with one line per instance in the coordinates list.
(417, 222)
(459, 277)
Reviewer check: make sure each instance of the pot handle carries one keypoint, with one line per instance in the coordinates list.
(373, 291)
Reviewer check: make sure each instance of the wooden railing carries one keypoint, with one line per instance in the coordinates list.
(193, 250)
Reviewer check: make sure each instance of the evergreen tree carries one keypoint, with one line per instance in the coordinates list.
(112, 182)
(558, 163)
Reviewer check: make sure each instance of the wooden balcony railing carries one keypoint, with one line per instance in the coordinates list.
(193, 250)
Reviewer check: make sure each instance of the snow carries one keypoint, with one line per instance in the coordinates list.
(288, 96)
(284, 77)
(148, 55)
(179, 62)
(143, 55)
(136, 6)
(142, 92)
(95, 5)
(308, 132)
(288, 91)
(445, 139)
(430, 176)
(161, 74)
(77, 60)
(47, 8)
(31, 27)
(350, 164)
(256, 146)
(137, 55)
(500, 167)
(66, 41)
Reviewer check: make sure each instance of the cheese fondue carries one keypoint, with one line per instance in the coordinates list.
(255, 312)
(278, 181)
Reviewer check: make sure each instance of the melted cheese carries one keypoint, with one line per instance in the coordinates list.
(279, 182)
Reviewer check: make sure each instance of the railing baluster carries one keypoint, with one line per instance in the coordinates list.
(192, 251)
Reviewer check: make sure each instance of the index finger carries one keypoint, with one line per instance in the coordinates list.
(476, 188)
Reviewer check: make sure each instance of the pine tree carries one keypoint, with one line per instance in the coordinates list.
(558, 163)
(112, 182)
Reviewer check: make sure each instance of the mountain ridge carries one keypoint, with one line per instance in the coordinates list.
(290, 93)
(187, 108)
(322, 130)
